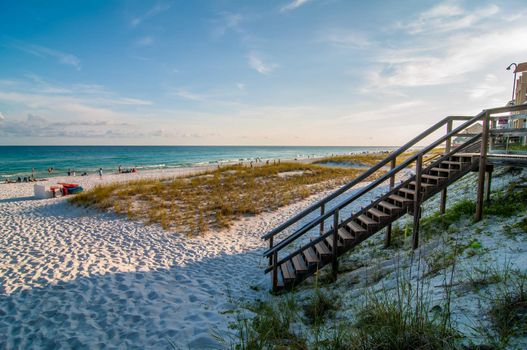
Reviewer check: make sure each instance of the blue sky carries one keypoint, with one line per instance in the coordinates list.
(283, 72)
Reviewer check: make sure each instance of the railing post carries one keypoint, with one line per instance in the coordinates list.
(417, 201)
(335, 262)
(275, 271)
(388, 236)
(489, 183)
(448, 144)
(271, 247)
(482, 167)
(322, 212)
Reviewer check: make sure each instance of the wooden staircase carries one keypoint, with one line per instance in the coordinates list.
(315, 244)
(382, 212)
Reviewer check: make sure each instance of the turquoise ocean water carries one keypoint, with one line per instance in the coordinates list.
(20, 160)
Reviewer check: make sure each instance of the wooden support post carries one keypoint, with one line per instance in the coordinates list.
(275, 272)
(335, 262)
(482, 167)
(322, 212)
(417, 201)
(388, 236)
(489, 180)
(448, 144)
(271, 247)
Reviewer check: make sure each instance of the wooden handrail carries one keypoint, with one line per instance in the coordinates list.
(371, 185)
(320, 219)
(362, 177)
(363, 210)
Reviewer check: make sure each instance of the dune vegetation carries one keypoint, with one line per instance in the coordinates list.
(213, 199)
(367, 160)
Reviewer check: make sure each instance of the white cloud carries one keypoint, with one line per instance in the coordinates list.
(145, 41)
(394, 111)
(154, 11)
(486, 89)
(348, 40)
(227, 21)
(187, 95)
(448, 17)
(444, 60)
(293, 5)
(1, 117)
(34, 125)
(45, 52)
(257, 63)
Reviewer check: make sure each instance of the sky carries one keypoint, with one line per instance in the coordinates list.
(273, 72)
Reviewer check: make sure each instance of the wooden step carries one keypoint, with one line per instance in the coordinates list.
(450, 162)
(311, 256)
(432, 177)
(367, 220)
(461, 158)
(288, 272)
(299, 264)
(400, 199)
(443, 170)
(423, 184)
(346, 236)
(379, 214)
(322, 250)
(389, 206)
(407, 191)
(356, 228)
(329, 241)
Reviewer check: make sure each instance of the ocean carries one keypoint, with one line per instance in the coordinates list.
(20, 160)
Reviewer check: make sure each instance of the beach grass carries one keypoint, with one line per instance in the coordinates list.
(214, 199)
(367, 160)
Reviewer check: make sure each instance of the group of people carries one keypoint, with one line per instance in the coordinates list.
(120, 170)
(70, 172)
(30, 178)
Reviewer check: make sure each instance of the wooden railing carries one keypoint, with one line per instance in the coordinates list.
(417, 159)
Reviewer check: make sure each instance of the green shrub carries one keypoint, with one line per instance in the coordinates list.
(270, 328)
(319, 307)
(389, 322)
(508, 311)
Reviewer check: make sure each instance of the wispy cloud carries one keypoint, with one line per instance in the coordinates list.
(227, 21)
(447, 16)
(488, 88)
(35, 125)
(145, 41)
(257, 63)
(96, 93)
(187, 95)
(293, 5)
(46, 52)
(347, 39)
(154, 11)
(432, 58)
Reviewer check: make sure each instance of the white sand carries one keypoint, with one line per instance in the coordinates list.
(75, 277)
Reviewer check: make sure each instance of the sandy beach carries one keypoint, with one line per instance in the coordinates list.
(76, 277)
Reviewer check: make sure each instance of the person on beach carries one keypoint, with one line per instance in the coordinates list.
(120, 170)
(100, 173)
